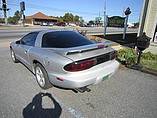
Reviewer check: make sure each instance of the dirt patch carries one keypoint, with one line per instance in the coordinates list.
(4, 44)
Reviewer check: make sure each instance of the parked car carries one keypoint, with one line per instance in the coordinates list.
(44, 24)
(64, 58)
(90, 25)
(50, 24)
(72, 24)
(83, 25)
(61, 24)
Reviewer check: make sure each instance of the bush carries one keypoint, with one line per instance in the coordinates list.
(127, 56)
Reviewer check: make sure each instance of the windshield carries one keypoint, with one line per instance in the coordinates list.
(64, 39)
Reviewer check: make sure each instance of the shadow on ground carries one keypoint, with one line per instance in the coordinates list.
(36, 110)
(129, 40)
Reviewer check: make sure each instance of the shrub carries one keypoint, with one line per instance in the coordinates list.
(127, 56)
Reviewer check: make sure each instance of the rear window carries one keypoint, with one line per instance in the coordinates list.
(64, 39)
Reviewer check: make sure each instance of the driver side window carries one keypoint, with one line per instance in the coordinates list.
(29, 39)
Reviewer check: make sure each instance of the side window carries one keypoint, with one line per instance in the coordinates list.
(29, 39)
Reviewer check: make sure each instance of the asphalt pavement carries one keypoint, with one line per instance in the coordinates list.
(18, 32)
(128, 94)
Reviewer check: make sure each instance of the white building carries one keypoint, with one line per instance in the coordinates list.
(148, 20)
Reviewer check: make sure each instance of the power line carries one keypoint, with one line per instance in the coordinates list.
(17, 3)
(50, 8)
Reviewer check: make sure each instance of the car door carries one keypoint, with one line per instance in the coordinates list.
(23, 50)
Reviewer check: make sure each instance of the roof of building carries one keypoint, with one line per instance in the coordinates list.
(40, 15)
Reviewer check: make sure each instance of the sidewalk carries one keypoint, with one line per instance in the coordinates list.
(152, 48)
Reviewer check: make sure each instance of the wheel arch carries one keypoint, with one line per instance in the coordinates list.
(47, 81)
(35, 62)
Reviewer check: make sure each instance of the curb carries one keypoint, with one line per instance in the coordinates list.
(144, 70)
(149, 71)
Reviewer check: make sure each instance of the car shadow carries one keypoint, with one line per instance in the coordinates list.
(36, 110)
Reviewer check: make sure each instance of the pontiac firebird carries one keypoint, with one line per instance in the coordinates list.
(64, 58)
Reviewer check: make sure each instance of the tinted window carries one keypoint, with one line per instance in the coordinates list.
(29, 39)
(64, 39)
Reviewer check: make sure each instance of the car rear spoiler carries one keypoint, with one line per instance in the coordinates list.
(80, 49)
(87, 49)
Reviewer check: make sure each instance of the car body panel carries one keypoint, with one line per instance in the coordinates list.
(92, 76)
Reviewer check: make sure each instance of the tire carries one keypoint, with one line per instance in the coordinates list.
(13, 57)
(42, 77)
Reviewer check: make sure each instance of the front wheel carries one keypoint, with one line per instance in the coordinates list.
(13, 57)
(42, 77)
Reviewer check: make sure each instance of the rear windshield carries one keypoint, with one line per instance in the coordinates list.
(64, 39)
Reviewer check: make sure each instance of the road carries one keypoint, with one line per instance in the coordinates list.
(128, 94)
(18, 32)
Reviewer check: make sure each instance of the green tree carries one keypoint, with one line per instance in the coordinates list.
(77, 19)
(69, 17)
(136, 24)
(15, 18)
(81, 20)
(17, 15)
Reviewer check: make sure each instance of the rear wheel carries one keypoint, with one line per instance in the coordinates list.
(13, 57)
(42, 77)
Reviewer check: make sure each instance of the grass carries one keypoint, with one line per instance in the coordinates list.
(129, 56)
(149, 64)
(3, 26)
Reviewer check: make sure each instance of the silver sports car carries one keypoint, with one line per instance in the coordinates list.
(64, 58)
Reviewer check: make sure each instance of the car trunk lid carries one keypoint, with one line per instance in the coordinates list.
(83, 52)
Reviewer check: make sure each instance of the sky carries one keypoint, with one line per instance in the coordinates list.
(88, 9)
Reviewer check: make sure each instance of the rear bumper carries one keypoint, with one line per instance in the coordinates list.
(80, 79)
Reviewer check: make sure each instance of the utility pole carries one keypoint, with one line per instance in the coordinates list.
(99, 19)
(105, 19)
(125, 25)
(127, 13)
(22, 6)
(99, 14)
(4, 8)
(123, 11)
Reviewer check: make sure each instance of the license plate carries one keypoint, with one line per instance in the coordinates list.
(105, 78)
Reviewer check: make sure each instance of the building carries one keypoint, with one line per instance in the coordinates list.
(1, 20)
(148, 20)
(38, 19)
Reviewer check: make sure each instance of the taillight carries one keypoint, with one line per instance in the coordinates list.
(113, 55)
(101, 46)
(79, 66)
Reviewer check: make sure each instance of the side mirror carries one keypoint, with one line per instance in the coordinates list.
(23, 43)
(18, 42)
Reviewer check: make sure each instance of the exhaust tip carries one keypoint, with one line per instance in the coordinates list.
(82, 89)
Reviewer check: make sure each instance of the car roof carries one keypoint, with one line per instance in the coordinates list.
(42, 32)
(36, 31)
